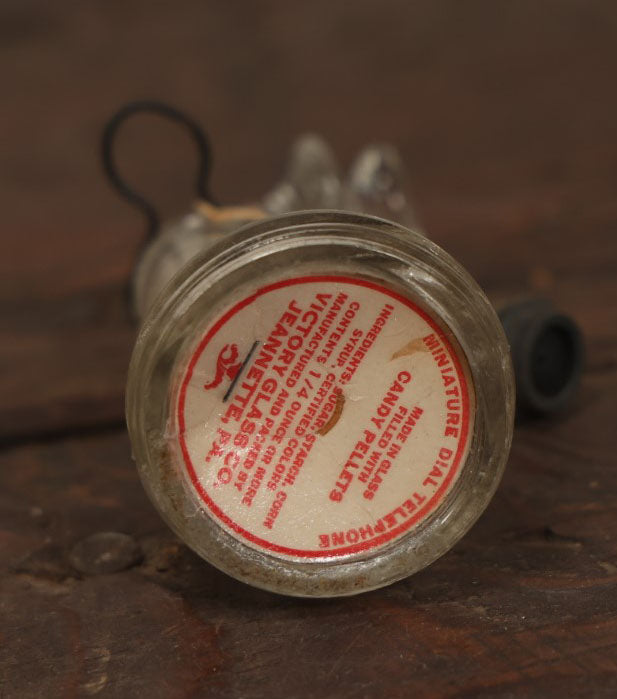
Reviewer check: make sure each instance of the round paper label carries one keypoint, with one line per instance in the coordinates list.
(323, 416)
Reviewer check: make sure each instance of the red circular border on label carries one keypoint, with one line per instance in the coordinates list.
(355, 548)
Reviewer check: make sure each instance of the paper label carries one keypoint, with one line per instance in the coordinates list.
(323, 416)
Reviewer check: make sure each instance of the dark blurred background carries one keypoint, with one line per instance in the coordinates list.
(504, 111)
(506, 114)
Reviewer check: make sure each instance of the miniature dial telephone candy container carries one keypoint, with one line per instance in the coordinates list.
(321, 400)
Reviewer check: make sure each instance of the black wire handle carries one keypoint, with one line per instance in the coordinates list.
(109, 162)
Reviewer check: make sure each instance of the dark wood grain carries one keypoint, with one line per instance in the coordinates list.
(507, 116)
(524, 605)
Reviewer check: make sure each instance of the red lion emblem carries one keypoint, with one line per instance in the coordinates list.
(226, 365)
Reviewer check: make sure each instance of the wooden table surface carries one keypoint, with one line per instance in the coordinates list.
(507, 116)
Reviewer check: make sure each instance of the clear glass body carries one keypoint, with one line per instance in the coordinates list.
(376, 184)
(299, 505)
